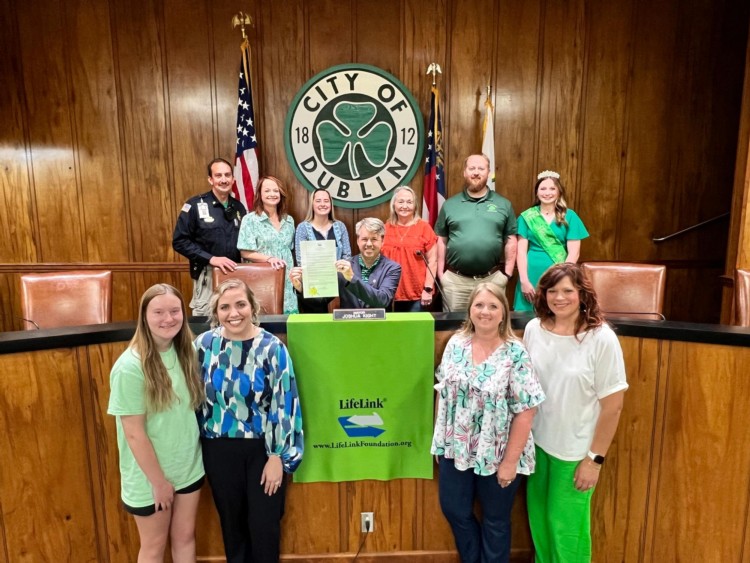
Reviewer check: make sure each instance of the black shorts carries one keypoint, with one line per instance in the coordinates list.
(151, 509)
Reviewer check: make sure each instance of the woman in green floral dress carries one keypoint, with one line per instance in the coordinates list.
(267, 234)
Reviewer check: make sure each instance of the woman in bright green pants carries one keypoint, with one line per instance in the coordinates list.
(579, 362)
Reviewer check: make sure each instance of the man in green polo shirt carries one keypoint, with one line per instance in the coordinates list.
(478, 230)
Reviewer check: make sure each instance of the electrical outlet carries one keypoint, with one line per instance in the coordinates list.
(367, 520)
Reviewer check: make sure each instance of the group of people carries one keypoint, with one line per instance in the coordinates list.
(546, 406)
(214, 230)
(566, 381)
(224, 406)
(476, 239)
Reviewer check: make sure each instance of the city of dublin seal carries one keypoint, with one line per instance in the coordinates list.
(355, 131)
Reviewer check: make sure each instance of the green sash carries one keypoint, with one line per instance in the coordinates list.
(547, 239)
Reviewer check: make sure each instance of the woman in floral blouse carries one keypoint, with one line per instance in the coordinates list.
(267, 233)
(487, 398)
(250, 423)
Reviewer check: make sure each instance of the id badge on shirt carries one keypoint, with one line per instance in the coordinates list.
(203, 212)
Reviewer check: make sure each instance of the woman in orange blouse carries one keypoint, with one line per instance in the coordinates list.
(410, 241)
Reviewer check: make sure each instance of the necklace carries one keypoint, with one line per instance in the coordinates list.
(401, 236)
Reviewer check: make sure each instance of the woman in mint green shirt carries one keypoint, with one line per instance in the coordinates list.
(154, 391)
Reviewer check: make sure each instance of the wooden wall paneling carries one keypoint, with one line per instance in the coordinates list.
(658, 438)
(693, 293)
(225, 56)
(93, 431)
(45, 479)
(472, 35)
(563, 63)
(394, 507)
(9, 303)
(97, 136)
(597, 191)
(620, 503)
(317, 503)
(284, 70)
(139, 49)
(122, 534)
(189, 85)
(515, 98)
(704, 467)
(706, 113)
(647, 161)
(424, 41)
(17, 226)
(51, 138)
(124, 298)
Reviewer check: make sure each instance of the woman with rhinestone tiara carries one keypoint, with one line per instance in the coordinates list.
(548, 233)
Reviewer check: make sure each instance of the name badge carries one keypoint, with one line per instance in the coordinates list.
(203, 210)
(359, 314)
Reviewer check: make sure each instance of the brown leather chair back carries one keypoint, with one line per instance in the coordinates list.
(628, 290)
(742, 297)
(74, 298)
(267, 284)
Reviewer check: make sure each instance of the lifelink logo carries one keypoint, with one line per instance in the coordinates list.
(362, 426)
(358, 425)
(355, 131)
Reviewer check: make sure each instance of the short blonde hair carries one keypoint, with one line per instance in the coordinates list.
(221, 289)
(372, 224)
(504, 329)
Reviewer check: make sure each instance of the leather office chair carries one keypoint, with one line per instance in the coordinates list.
(73, 298)
(267, 284)
(628, 290)
(742, 297)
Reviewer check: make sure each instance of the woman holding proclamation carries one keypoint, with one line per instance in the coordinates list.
(267, 233)
(410, 241)
(320, 224)
(487, 397)
(579, 362)
(548, 233)
(251, 424)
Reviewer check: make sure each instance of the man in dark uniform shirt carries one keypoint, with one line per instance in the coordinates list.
(206, 233)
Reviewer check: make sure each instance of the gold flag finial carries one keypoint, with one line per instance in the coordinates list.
(434, 69)
(242, 19)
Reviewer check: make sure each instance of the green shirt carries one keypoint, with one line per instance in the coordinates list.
(476, 229)
(173, 432)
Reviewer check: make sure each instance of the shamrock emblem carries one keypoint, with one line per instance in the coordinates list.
(353, 133)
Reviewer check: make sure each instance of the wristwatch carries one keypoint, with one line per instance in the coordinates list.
(427, 289)
(596, 458)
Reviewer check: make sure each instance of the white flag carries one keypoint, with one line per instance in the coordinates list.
(488, 140)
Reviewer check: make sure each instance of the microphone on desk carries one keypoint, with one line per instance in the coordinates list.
(434, 279)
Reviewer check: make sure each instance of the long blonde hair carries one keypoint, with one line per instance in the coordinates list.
(159, 391)
(311, 212)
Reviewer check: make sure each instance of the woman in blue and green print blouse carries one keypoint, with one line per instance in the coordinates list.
(251, 423)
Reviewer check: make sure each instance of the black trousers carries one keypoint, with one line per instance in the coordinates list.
(250, 519)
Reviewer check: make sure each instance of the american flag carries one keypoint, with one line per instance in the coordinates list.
(433, 194)
(246, 155)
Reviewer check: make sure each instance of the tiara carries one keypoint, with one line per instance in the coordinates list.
(548, 174)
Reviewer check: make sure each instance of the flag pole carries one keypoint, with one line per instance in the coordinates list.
(246, 166)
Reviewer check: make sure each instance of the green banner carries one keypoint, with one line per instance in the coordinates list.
(366, 394)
